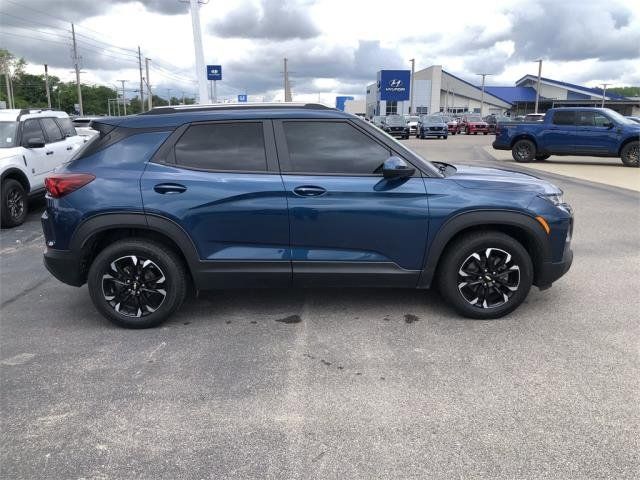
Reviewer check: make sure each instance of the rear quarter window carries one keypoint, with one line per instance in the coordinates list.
(67, 128)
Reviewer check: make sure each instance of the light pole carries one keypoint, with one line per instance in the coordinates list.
(483, 75)
(124, 100)
(413, 69)
(604, 90)
(194, 7)
(538, 86)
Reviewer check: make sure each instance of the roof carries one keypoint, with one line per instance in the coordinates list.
(179, 116)
(512, 94)
(16, 113)
(474, 86)
(233, 106)
(572, 86)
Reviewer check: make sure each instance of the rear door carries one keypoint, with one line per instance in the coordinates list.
(557, 136)
(72, 141)
(349, 225)
(55, 149)
(220, 182)
(594, 135)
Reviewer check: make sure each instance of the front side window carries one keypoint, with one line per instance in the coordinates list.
(332, 147)
(223, 146)
(31, 129)
(51, 130)
(68, 130)
(564, 118)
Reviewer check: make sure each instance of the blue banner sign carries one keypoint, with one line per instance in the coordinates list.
(242, 98)
(214, 72)
(394, 84)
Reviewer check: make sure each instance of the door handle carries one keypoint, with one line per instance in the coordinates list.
(309, 191)
(69, 147)
(169, 188)
(50, 153)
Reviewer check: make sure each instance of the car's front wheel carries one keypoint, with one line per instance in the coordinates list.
(630, 154)
(485, 275)
(14, 203)
(524, 151)
(137, 283)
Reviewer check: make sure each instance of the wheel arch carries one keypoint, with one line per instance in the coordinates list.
(19, 175)
(95, 233)
(625, 142)
(523, 136)
(524, 228)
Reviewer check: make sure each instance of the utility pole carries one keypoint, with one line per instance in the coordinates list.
(538, 86)
(169, 95)
(124, 100)
(149, 94)
(287, 87)
(7, 78)
(483, 75)
(108, 106)
(46, 84)
(141, 81)
(413, 70)
(183, 100)
(77, 67)
(604, 90)
(194, 6)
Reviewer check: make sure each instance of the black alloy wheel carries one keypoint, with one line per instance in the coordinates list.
(630, 154)
(523, 151)
(14, 203)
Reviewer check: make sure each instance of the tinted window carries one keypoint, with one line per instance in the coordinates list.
(591, 119)
(222, 146)
(563, 118)
(31, 129)
(66, 126)
(332, 147)
(51, 129)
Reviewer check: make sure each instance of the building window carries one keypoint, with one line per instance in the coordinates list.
(423, 110)
(392, 108)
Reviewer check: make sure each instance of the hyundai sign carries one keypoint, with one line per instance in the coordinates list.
(394, 84)
(214, 72)
(242, 98)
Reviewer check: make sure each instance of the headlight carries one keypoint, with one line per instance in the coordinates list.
(556, 198)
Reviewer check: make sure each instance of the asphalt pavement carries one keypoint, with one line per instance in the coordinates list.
(324, 384)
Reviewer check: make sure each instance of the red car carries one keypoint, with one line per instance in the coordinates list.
(474, 124)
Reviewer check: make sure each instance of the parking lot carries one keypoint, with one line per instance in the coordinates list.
(334, 383)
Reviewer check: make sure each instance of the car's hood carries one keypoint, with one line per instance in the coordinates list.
(494, 178)
(9, 152)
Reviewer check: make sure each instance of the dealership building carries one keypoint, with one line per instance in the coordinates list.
(436, 90)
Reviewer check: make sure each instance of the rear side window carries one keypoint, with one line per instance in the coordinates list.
(223, 146)
(68, 130)
(564, 118)
(31, 129)
(332, 147)
(51, 130)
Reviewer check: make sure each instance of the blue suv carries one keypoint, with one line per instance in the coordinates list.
(302, 195)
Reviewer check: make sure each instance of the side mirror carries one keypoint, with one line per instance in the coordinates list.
(609, 125)
(35, 142)
(395, 167)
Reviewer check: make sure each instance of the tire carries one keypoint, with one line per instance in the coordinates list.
(630, 155)
(486, 133)
(468, 301)
(165, 266)
(542, 158)
(14, 203)
(475, 133)
(523, 151)
(453, 133)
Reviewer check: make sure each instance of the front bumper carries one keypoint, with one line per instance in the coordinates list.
(65, 266)
(552, 271)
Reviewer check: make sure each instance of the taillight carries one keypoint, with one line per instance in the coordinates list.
(61, 184)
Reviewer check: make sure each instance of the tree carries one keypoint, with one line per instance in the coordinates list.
(626, 91)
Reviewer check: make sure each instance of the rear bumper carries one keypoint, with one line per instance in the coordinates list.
(65, 266)
(500, 146)
(550, 271)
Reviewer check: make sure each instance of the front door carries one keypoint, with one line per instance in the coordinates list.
(595, 134)
(349, 225)
(220, 183)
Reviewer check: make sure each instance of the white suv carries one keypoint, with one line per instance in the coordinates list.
(32, 144)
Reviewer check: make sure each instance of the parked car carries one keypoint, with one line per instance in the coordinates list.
(432, 126)
(396, 126)
(290, 195)
(599, 132)
(534, 117)
(83, 127)
(412, 123)
(493, 120)
(378, 121)
(32, 144)
(474, 124)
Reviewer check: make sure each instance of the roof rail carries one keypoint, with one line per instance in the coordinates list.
(233, 106)
(27, 111)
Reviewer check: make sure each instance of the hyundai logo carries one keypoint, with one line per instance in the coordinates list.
(395, 83)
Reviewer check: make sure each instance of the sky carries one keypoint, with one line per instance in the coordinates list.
(334, 47)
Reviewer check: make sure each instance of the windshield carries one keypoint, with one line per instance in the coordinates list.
(8, 134)
(412, 119)
(435, 119)
(474, 119)
(394, 120)
(616, 117)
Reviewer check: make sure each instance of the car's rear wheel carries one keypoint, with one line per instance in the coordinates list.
(542, 158)
(524, 151)
(137, 283)
(14, 203)
(630, 154)
(485, 275)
